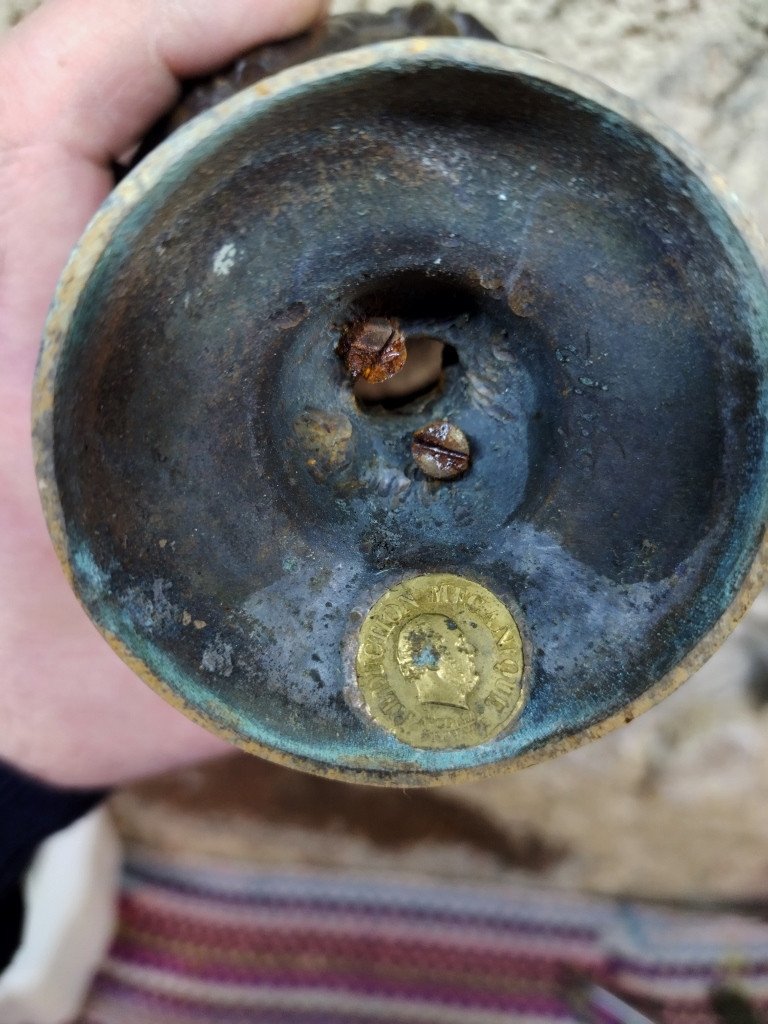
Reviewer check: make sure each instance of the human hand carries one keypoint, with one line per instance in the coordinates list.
(80, 83)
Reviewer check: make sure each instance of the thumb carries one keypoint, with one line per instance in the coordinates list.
(80, 82)
(93, 78)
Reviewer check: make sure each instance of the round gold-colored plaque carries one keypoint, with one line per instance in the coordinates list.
(440, 662)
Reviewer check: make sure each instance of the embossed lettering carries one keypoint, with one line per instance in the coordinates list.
(509, 667)
(440, 662)
(507, 638)
(373, 649)
(389, 701)
(496, 701)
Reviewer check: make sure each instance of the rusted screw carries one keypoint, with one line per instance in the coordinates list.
(373, 349)
(441, 450)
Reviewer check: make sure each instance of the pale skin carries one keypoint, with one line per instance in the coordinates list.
(80, 82)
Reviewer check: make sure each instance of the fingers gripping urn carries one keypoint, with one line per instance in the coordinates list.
(401, 416)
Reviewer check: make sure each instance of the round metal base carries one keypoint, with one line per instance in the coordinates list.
(229, 512)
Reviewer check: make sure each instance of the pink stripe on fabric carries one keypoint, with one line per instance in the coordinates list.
(237, 945)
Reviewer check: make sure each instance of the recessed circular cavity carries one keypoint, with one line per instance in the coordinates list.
(418, 381)
(228, 513)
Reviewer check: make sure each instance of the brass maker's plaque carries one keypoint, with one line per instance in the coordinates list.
(440, 662)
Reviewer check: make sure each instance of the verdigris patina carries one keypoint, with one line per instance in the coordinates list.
(230, 511)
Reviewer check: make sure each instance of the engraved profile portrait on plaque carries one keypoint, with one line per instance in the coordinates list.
(440, 662)
(437, 659)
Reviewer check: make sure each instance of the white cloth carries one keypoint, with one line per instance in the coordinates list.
(69, 896)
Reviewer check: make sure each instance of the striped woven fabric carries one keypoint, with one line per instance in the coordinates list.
(231, 946)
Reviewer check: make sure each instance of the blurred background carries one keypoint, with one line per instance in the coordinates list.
(671, 807)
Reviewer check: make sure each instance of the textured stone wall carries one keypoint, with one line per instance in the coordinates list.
(699, 65)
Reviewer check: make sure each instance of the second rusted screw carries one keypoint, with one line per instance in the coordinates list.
(373, 349)
(441, 450)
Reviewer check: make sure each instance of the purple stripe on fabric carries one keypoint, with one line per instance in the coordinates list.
(111, 989)
(358, 982)
(500, 921)
(546, 1007)
(671, 970)
(399, 945)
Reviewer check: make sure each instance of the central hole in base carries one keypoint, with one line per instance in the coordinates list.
(422, 374)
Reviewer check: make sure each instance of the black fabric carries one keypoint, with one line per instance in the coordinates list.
(30, 811)
(11, 916)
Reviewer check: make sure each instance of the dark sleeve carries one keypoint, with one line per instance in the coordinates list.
(29, 812)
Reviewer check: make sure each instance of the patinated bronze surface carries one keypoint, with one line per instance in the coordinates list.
(229, 511)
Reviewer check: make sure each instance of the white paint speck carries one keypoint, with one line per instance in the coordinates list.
(224, 259)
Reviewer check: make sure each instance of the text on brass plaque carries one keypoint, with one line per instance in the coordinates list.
(440, 662)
